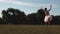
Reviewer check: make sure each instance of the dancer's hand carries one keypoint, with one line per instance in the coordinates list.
(50, 7)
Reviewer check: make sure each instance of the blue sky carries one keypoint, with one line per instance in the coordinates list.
(31, 6)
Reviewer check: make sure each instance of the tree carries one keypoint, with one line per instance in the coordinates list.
(14, 16)
(1, 21)
(32, 18)
(37, 18)
(41, 15)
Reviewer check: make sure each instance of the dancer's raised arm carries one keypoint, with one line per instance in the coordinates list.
(50, 7)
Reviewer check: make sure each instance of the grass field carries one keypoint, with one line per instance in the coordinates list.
(29, 29)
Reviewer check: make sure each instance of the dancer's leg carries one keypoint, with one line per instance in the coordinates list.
(48, 23)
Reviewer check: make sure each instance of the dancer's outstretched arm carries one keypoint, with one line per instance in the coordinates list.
(50, 7)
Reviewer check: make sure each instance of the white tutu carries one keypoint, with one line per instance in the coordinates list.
(47, 18)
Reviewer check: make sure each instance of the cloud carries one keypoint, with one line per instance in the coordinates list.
(45, 5)
(16, 2)
(22, 3)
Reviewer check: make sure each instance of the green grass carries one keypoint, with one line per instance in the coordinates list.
(29, 29)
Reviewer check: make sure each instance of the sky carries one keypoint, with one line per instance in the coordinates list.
(30, 6)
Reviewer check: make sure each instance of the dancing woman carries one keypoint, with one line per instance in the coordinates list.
(48, 17)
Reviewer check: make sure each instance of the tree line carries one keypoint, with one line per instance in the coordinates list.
(16, 16)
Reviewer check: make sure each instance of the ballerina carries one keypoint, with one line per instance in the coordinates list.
(48, 17)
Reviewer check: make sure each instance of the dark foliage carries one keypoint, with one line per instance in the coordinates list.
(15, 16)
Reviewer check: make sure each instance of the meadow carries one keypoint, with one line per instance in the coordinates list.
(29, 29)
